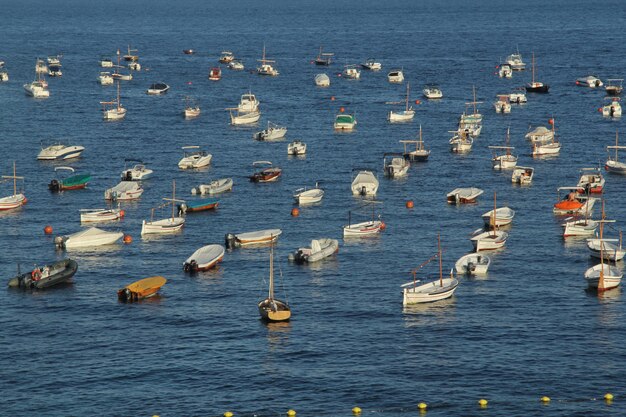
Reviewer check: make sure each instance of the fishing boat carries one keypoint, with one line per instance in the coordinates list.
(535, 86)
(503, 104)
(199, 205)
(579, 226)
(194, 157)
(488, 240)
(38, 88)
(172, 224)
(113, 110)
(613, 165)
(139, 172)
(296, 148)
(395, 165)
(87, 238)
(248, 103)
(124, 191)
(139, 290)
(322, 80)
(100, 215)
(246, 118)
(404, 115)
(46, 276)
(214, 187)
(549, 147)
(461, 141)
(235, 65)
(205, 258)
(614, 86)
(158, 88)
(215, 74)
(574, 202)
(370, 227)
(475, 117)
(351, 72)
(260, 237)
(505, 71)
(226, 57)
(105, 78)
(603, 276)
(395, 76)
(269, 174)
(273, 132)
(305, 196)
(432, 91)
(463, 195)
(106, 62)
(518, 96)
(272, 309)
(522, 175)
(266, 68)
(131, 55)
(612, 108)
(192, 108)
(591, 180)
(72, 182)
(473, 264)
(607, 249)
(324, 58)
(320, 249)
(420, 153)
(371, 64)
(15, 200)
(589, 81)
(506, 160)
(437, 290)
(344, 122)
(516, 62)
(364, 182)
(4, 74)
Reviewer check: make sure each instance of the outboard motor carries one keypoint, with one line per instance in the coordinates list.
(54, 185)
(127, 176)
(299, 257)
(363, 190)
(230, 241)
(182, 209)
(194, 191)
(191, 266)
(59, 242)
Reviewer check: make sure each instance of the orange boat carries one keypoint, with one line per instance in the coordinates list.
(568, 205)
(141, 289)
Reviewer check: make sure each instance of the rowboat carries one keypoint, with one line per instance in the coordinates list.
(579, 227)
(489, 240)
(365, 228)
(308, 196)
(124, 191)
(239, 118)
(16, 199)
(269, 174)
(171, 224)
(214, 187)
(90, 237)
(472, 264)
(420, 153)
(522, 175)
(199, 205)
(100, 215)
(608, 248)
(603, 277)
(498, 216)
(259, 237)
(138, 290)
(46, 276)
(320, 249)
(204, 258)
(463, 195)
(613, 165)
(272, 309)
(73, 182)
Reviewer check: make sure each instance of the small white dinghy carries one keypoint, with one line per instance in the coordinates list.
(522, 175)
(489, 240)
(579, 227)
(204, 258)
(100, 215)
(320, 249)
(610, 275)
(259, 237)
(503, 216)
(463, 195)
(364, 183)
(365, 228)
(472, 264)
(322, 80)
(125, 190)
(90, 237)
(296, 148)
(305, 196)
(214, 187)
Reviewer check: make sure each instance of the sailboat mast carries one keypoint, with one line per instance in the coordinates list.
(533, 67)
(271, 289)
(601, 281)
(494, 214)
(407, 96)
(440, 260)
(474, 89)
(14, 180)
(616, 143)
(173, 197)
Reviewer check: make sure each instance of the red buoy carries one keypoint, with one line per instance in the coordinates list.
(383, 226)
(418, 102)
(409, 204)
(341, 109)
(122, 213)
(295, 212)
(332, 98)
(128, 239)
(47, 230)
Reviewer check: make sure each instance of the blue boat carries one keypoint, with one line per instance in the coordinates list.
(199, 205)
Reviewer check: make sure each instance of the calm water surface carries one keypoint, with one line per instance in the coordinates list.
(527, 329)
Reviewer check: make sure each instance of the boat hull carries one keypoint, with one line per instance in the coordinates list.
(58, 272)
(273, 310)
(363, 229)
(141, 289)
(164, 226)
(12, 202)
(429, 292)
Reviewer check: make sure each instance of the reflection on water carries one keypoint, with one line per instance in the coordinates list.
(277, 334)
(437, 312)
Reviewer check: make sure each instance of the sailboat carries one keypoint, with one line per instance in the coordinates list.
(420, 153)
(507, 160)
(472, 121)
(113, 110)
(492, 239)
(272, 309)
(404, 115)
(169, 225)
(266, 68)
(614, 165)
(603, 276)
(432, 291)
(324, 58)
(116, 75)
(15, 200)
(536, 86)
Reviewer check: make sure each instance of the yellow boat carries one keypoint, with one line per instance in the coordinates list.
(141, 289)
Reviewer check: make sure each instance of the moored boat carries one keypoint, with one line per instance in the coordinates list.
(272, 309)
(199, 205)
(46, 276)
(168, 225)
(90, 237)
(473, 264)
(269, 174)
(60, 151)
(344, 122)
(124, 191)
(194, 157)
(320, 249)
(522, 175)
(72, 182)
(613, 165)
(296, 148)
(305, 196)
(205, 258)
(259, 237)
(138, 290)
(364, 182)
(420, 153)
(273, 132)
(322, 80)
(15, 200)
(214, 187)
(463, 195)
(100, 215)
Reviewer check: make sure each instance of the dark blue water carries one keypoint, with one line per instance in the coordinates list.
(528, 329)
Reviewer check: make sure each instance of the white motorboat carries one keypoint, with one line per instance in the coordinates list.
(489, 240)
(90, 237)
(395, 76)
(463, 195)
(546, 147)
(603, 277)
(505, 71)
(259, 237)
(613, 164)
(432, 91)
(41, 67)
(106, 62)
(105, 78)
(371, 64)
(516, 62)
(100, 215)
(518, 97)
(579, 227)
(55, 70)
(296, 148)
(204, 258)
(172, 224)
(437, 290)
(273, 132)
(364, 183)
(503, 216)
(214, 187)
(461, 141)
(502, 105)
(351, 72)
(420, 153)
(591, 180)
(113, 110)
(37, 89)
(395, 165)
(344, 122)
(125, 190)
(614, 86)
(138, 172)
(266, 68)
(193, 157)
(522, 175)
(157, 89)
(15, 200)
(59, 151)
(134, 66)
(192, 108)
(4, 74)
(305, 196)
(236, 65)
(506, 160)
(322, 80)
(268, 174)
(248, 103)
(613, 108)
(226, 57)
(403, 115)
(238, 118)
(473, 264)
(320, 249)
(608, 248)
(589, 81)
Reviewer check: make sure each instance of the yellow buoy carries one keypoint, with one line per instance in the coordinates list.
(545, 399)
(482, 402)
(422, 406)
(608, 396)
(291, 413)
(356, 410)
(228, 414)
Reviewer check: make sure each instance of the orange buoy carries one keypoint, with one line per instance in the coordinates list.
(47, 230)
(409, 204)
(341, 109)
(128, 239)
(383, 226)
(295, 212)
(122, 213)
(418, 102)
(332, 98)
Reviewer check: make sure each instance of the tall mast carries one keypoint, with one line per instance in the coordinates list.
(271, 289)
(474, 89)
(407, 96)
(14, 180)
(440, 260)
(601, 281)
(494, 214)
(616, 143)
(533, 67)
(173, 197)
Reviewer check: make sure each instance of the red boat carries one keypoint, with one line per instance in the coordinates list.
(215, 74)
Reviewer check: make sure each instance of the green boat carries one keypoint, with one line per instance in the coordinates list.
(73, 182)
(345, 122)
